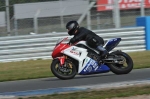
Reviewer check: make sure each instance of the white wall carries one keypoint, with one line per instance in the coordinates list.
(47, 9)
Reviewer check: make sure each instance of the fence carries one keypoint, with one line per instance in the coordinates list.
(95, 20)
(40, 46)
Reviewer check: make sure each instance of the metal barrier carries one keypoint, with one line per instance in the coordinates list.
(40, 46)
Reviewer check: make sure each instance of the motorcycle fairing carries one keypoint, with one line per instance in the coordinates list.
(60, 47)
(91, 66)
(112, 43)
(84, 43)
(76, 53)
(80, 54)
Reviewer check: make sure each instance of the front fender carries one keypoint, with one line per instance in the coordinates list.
(62, 60)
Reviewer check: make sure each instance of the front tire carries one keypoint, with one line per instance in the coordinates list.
(64, 72)
(121, 68)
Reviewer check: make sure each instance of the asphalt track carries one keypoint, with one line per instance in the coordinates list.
(53, 85)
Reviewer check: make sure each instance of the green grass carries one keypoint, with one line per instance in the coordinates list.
(141, 59)
(41, 68)
(25, 70)
(100, 94)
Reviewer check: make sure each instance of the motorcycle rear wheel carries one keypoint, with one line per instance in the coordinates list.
(121, 68)
(64, 72)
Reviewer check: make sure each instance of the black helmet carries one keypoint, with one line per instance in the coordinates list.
(72, 26)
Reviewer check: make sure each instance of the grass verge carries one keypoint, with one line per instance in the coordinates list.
(41, 68)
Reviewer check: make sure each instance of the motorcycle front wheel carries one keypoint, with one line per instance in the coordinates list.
(124, 68)
(64, 72)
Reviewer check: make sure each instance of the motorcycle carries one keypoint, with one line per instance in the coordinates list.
(69, 60)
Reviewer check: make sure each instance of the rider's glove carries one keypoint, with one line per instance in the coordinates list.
(71, 41)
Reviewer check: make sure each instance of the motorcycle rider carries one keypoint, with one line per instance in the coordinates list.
(81, 33)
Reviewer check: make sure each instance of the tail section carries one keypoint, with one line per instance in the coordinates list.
(112, 43)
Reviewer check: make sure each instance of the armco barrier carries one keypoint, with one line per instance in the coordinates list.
(40, 46)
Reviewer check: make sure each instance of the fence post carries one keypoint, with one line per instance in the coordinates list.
(98, 21)
(7, 16)
(145, 21)
(116, 13)
(89, 18)
(142, 8)
(61, 13)
(36, 21)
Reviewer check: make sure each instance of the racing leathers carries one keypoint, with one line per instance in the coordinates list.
(92, 40)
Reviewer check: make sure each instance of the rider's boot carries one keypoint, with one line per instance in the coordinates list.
(103, 50)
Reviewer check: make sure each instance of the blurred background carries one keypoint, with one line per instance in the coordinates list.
(25, 17)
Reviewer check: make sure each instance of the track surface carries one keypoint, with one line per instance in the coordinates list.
(48, 83)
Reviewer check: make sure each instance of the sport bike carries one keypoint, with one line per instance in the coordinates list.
(79, 58)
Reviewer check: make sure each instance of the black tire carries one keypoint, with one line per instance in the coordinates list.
(58, 73)
(120, 69)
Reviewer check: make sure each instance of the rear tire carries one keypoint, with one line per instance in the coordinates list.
(120, 68)
(57, 70)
